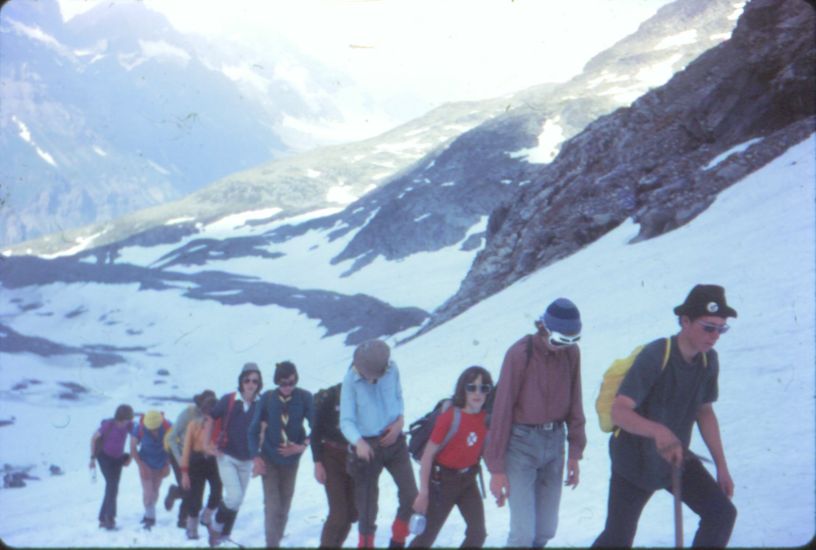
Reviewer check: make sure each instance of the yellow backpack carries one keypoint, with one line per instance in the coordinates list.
(612, 379)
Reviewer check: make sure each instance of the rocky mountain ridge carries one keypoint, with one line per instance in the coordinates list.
(462, 175)
(115, 111)
(435, 203)
(455, 164)
(663, 160)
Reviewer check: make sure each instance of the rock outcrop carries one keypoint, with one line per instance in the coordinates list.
(663, 160)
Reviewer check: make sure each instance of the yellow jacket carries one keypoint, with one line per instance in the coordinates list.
(196, 439)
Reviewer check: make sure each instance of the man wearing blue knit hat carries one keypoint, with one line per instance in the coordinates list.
(537, 409)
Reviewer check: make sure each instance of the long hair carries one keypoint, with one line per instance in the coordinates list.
(249, 368)
(469, 375)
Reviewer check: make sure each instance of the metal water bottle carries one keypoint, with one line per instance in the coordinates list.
(417, 524)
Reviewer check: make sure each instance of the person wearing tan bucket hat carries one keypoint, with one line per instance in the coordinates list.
(672, 385)
(371, 419)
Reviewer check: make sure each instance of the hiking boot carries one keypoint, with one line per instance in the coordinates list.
(172, 494)
(226, 531)
(108, 523)
(148, 522)
(395, 544)
(214, 538)
(206, 516)
(192, 528)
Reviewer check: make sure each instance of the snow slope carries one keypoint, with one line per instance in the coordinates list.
(756, 240)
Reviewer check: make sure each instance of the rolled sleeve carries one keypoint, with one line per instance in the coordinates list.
(348, 408)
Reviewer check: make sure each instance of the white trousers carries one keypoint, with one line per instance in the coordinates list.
(235, 476)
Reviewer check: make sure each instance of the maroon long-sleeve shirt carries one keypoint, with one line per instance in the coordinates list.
(548, 390)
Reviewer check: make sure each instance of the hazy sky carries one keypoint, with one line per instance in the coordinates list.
(423, 52)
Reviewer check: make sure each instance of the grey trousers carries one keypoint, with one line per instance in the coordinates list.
(535, 471)
(396, 460)
(278, 488)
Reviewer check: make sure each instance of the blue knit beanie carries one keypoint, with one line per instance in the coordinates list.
(562, 316)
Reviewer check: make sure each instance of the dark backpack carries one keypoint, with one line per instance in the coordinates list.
(320, 398)
(419, 432)
(491, 397)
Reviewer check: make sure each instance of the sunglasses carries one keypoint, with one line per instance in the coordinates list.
(711, 327)
(484, 388)
(251, 381)
(287, 383)
(558, 339)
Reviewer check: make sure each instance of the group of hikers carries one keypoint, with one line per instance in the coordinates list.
(519, 426)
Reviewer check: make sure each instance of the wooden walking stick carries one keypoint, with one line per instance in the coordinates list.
(678, 505)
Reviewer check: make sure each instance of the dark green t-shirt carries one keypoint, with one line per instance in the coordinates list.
(672, 397)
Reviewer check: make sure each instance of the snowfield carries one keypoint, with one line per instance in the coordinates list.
(757, 240)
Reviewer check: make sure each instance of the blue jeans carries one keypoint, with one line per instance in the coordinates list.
(535, 469)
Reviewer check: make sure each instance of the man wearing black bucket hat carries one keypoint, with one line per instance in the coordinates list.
(672, 385)
(537, 408)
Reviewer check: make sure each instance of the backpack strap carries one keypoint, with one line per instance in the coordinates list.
(454, 427)
(230, 406)
(667, 353)
(223, 435)
(528, 352)
(663, 363)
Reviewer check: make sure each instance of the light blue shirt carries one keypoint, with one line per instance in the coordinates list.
(366, 409)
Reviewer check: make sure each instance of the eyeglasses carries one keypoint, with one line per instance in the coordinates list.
(557, 339)
(484, 388)
(251, 381)
(712, 327)
(287, 383)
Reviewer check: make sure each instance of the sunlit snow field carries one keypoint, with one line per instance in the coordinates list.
(757, 240)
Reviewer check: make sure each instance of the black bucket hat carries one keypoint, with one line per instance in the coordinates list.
(705, 300)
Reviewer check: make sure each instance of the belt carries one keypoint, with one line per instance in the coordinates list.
(334, 445)
(547, 426)
(461, 471)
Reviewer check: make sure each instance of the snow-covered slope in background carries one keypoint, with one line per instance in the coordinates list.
(756, 240)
